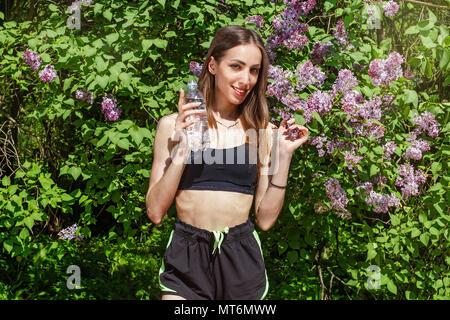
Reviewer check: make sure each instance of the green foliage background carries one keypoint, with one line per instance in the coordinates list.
(73, 166)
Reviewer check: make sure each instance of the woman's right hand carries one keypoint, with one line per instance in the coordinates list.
(182, 150)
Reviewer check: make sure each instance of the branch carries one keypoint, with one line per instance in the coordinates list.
(427, 4)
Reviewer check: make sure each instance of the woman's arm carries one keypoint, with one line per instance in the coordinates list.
(269, 199)
(165, 173)
(170, 153)
(269, 204)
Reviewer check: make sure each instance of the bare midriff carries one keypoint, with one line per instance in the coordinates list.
(211, 209)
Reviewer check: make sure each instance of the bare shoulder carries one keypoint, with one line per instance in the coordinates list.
(167, 122)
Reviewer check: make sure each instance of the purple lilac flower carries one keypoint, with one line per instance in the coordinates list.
(48, 74)
(109, 109)
(390, 8)
(352, 101)
(338, 197)
(69, 233)
(382, 202)
(375, 131)
(428, 123)
(382, 72)
(366, 187)
(82, 95)
(301, 8)
(318, 142)
(340, 34)
(288, 29)
(415, 150)
(351, 159)
(282, 85)
(307, 73)
(196, 68)
(318, 101)
(258, 20)
(296, 41)
(320, 51)
(409, 180)
(76, 5)
(389, 148)
(32, 59)
(345, 81)
(380, 180)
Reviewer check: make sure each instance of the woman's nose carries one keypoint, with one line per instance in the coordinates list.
(244, 82)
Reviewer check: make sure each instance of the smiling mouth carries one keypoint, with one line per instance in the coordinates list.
(239, 92)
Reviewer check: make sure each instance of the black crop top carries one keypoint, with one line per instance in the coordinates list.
(230, 169)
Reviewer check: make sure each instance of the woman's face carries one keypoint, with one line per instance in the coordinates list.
(236, 74)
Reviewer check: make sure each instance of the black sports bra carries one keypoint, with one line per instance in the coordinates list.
(230, 169)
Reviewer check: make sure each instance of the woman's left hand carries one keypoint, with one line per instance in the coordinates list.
(289, 139)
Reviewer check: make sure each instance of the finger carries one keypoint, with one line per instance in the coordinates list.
(282, 124)
(189, 123)
(181, 100)
(190, 105)
(189, 113)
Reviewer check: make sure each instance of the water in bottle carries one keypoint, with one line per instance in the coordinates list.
(197, 133)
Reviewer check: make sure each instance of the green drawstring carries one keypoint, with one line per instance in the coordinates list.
(218, 238)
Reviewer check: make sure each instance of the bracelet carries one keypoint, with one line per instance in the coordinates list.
(281, 187)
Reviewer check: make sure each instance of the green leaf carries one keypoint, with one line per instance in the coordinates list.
(108, 14)
(378, 150)
(299, 119)
(415, 62)
(74, 172)
(444, 59)
(24, 234)
(292, 256)
(6, 181)
(111, 38)
(395, 220)
(146, 44)
(424, 238)
(162, 3)
(282, 247)
(329, 4)
(434, 231)
(29, 222)
(123, 143)
(391, 286)
(136, 134)
(160, 43)
(102, 81)
(374, 169)
(410, 96)
(412, 30)
(427, 42)
(318, 118)
(415, 232)
(8, 245)
(371, 254)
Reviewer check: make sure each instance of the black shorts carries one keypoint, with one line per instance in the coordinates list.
(221, 265)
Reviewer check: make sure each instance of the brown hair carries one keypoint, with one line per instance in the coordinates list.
(254, 110)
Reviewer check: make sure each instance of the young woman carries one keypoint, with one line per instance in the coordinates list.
(214, 251)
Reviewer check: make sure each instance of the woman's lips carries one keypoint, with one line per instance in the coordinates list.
(239, 92)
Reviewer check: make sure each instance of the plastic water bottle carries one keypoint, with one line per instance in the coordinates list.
(197, 133)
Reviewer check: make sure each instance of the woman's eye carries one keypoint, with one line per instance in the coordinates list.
(234, 66)
(255, 70)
